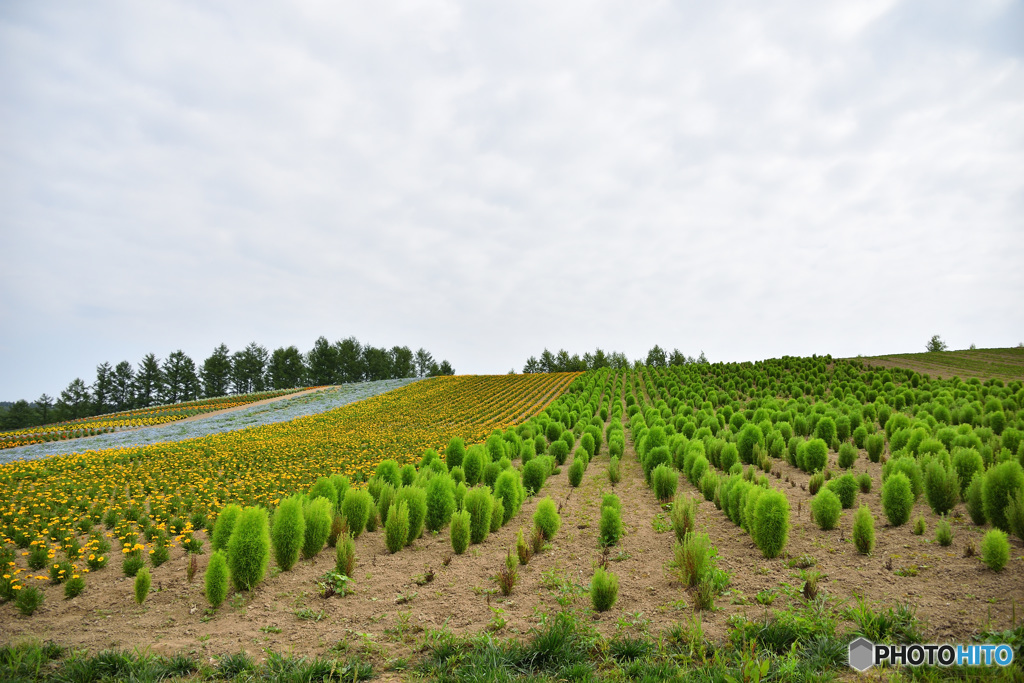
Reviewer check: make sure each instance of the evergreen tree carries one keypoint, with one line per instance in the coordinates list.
(286, 368)
(322, 363)
(349, 365)
(378, 363)
(149, 381)
(216, 373)
(75, 401)
(103, 389)
(181, 383)
(402, 365)
(123, 396)
(44, 406)
(423, 361)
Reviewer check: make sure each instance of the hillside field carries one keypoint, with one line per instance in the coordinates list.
(691, 522)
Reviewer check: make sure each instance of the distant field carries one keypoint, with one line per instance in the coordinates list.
(1004, 364)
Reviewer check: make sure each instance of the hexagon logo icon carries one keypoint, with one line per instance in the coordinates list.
(862, 654)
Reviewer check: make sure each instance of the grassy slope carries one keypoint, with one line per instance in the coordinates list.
(1004, 364)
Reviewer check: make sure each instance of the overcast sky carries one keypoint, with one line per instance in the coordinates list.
(489, 179)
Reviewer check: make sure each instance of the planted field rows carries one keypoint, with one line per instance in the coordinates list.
(52, 502)
(131, 419)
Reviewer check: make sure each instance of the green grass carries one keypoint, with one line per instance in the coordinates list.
(1005, 364)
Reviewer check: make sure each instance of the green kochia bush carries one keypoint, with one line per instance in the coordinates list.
(323, 488)
(479, 504)
(287, 532)
(546, 518)
(224, 525)
(941, 487)
(216, 579)
(497, 513)
(509, 488)
(897, 499)
(815, 455)
(995, 550)
(388, 471)
(610, 527)
(770, 529)
(749, 437)
(1001, 484)
(576, 471)
(415, 499)
(845, 487)
(460, 531)
(318, 514)
(357, 507)
(974, 499)
(826, 508)
(604, 589)
(664, 481)
(659, 455)
(967, 462)
(864, 530)
(847, 455)
(826, 429)
(455, 452)
(440, 502)
(559, 450)
(729, 456)
(249, 548)
(396, 529)
(534, 474)
(874, 445)
(473, 464)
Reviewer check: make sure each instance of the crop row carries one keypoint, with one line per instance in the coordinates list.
(130, 419)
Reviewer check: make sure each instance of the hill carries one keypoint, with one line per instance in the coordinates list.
(983, 364)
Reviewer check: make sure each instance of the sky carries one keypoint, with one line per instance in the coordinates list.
(485, 180)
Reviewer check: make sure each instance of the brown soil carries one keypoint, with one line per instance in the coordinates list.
(388, 614)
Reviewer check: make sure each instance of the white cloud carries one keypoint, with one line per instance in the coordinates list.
(486, 181)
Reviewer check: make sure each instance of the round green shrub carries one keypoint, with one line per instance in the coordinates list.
(388, 471)
(845, 487)
(614, 474)
(534, 474)
(860, 436)
(967, 462)
(825, 429)
(396, 529)
(576, 472)
(385, 499)
(415, 499)
(546, 518)
(440, 502)
(815, 455)
(491, 472)
(664, 481)
(864, 482)
(553, 431)
(770, 529)
(570, 439)
(610, 527)
(249, 548)
(215, 580)
(974, 499)
(460, 531)
(907, 464)
(356, 507)
(944, 533)
(730, 455)
(659, 455)
(559, 451)
(224, 525)
(479, 504)
(1002, 482)
(287, 532)
(540, 445)
(142, 584)
(345, 555)
(408, 474)
(863, 530)
(587, 443)
(509, 488)
(318, 515)
(323, 488)
(457, 474)
(874, 445)
(473, 465)
(847, 455)
(825, 507)
(455, 452)
(497, 513)
(604, 590)
(341, 485)
(897, 499)
(749, 437)
(995, 550)
(941, 487)
(460, 494)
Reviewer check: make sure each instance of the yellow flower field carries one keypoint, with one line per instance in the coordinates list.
(48, 497)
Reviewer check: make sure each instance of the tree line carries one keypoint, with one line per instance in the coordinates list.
(563, 362)
(178, 378)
